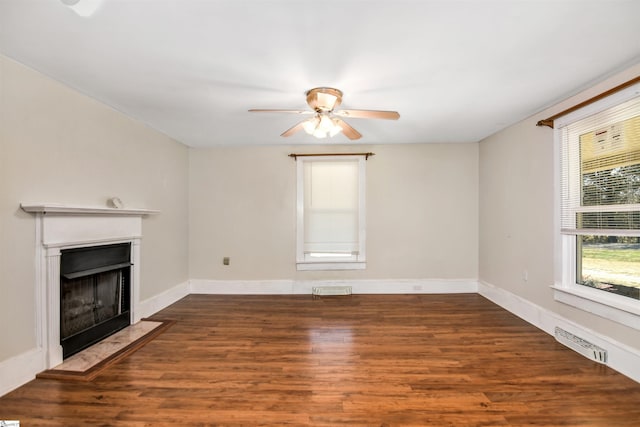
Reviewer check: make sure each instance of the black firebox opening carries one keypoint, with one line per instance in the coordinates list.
(95, 294)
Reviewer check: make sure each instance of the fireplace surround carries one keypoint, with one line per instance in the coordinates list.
(63, 228)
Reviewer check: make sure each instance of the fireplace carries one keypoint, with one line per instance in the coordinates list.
(95, 294)
(78, 230)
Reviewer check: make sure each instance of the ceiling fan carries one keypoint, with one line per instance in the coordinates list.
(326, 120)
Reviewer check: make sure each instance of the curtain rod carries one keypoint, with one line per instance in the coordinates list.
(366, 155)
(549, 121)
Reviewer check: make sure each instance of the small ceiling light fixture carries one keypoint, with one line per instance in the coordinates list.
(321, 126)
(84, 8)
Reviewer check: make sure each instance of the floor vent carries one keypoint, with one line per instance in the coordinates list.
(583, 347)
(331, 290)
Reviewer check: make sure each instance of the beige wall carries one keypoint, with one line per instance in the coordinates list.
(516, 214)
(422, 210)
(57, 145)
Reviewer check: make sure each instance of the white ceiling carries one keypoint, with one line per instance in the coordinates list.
(457, 71)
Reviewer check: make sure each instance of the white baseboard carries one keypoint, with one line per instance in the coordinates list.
(295, 287)
(156, 303)
(245, 287)
(20, 369)
(620, 357)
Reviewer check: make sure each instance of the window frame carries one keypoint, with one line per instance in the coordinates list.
(355, 261)
(566, 290)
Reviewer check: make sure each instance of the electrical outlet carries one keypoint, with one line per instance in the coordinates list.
(225, 260)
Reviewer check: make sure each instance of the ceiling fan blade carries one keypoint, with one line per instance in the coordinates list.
(348, 131)
(296, 128)
(262, 110)
(368, 114)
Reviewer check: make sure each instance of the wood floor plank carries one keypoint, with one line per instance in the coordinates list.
(363, 360)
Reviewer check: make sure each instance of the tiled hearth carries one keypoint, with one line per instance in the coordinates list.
(91, 362)
(106, 348)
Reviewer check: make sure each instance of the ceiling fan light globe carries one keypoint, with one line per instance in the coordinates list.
(326, 124)
(310, 125)
(320, 134)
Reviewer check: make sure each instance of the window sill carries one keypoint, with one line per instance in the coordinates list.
(601, 303)
(309, 266)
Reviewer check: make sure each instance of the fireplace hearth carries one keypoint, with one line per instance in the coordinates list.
(95, 294)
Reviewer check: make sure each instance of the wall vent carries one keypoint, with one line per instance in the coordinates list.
(587, 349)
(331, 290)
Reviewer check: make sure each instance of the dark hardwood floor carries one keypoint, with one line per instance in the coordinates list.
(364, 360)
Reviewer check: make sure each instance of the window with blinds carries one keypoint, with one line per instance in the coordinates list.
(331, 212)
(601, 172)
(600, 198)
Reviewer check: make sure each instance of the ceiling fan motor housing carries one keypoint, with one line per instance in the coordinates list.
(324, 99)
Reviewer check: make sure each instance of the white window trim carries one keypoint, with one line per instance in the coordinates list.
(353, 262)
(617, 308)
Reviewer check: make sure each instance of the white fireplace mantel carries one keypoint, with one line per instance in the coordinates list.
(60, 227)
(54, 208)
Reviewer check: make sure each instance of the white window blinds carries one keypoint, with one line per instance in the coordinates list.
(331, 207)
(600, 172)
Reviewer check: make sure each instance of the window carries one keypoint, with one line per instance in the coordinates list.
(331, 213)
(599, 236)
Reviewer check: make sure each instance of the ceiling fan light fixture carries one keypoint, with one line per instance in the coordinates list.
(321, 126)
(324, 126)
